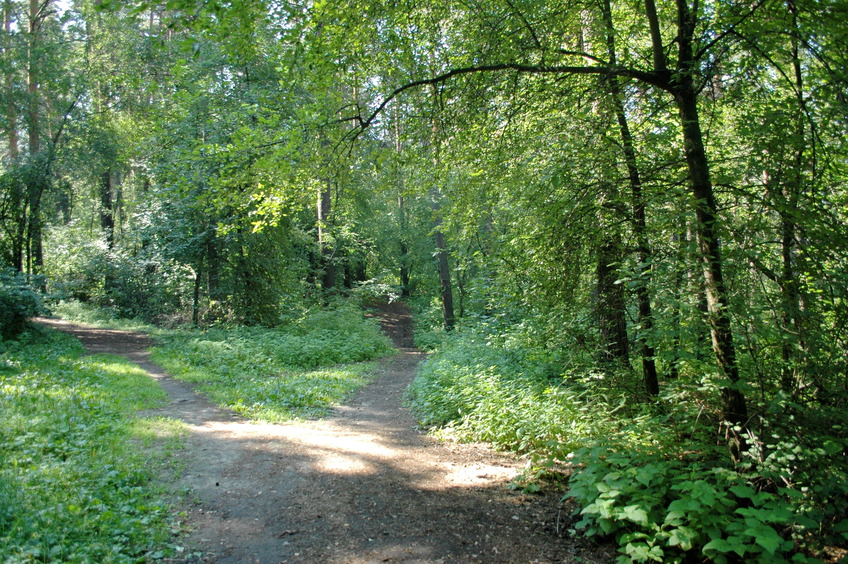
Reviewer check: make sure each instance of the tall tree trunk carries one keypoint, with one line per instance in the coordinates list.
(444, 278)
(39, 175)
(213, 269)
(107, 217)
(793, 342)
(643, 299)
(734, 405)
(195, 301)
(11, 108)
(443, 264)
(612, 323)
(403, 248)
(328, 279)
(35, 20)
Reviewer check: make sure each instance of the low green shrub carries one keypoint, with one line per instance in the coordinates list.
(665, 501)
(18, 303)
(75, 486)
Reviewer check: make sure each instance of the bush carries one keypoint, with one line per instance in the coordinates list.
(18, 303)
(667, 503)
(491, 387)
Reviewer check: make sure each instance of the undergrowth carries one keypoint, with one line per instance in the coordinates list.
(75, 482)
(300, 369)
(474, 388)
(655, 477)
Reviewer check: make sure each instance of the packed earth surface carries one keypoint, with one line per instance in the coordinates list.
(364, 485)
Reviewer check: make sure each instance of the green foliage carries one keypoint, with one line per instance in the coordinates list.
(665, 501)
(143, 284)
(18, 303)
(80, 312)
(300, 369)
(485, 386)
(75, 486)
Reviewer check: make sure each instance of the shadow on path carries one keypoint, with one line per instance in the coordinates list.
(362, 486)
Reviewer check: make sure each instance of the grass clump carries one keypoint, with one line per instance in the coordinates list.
(74, 484)
(300, 369)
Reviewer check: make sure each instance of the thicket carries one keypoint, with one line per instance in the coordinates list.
(76, 478)
(19, 302)
(655, 476)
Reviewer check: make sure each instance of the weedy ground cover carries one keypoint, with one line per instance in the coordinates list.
(77, 463)
(654, 476)
(300, 369)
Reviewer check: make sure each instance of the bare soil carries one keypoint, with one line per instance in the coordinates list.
(365, 485)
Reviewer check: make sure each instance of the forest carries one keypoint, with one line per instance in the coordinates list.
(622, 226)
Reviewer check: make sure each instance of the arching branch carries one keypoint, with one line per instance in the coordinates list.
(653, 78)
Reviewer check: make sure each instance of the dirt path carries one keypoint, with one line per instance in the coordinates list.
(363, 486)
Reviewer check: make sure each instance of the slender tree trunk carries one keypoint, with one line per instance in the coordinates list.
(793, 344)
(328, 280)
(107, 217)
(213, 269)
(11, 108)
(195, 302)
(443, 264)
(643, 299)
(734, 406)
(444, 278)
(403, 248)
(35, 20)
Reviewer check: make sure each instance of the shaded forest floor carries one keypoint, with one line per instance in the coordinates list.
(364, 485)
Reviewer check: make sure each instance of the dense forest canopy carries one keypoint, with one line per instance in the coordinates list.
(651, 195)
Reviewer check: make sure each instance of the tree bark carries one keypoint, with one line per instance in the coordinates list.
(11, 108)
(328, 277)
(444, 278)
(612, 323)
(107, 218)
(443, 264)
(734, 406)
(643, 299)
(403, 248)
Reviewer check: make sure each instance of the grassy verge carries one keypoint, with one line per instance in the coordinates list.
(301, 369)
(76, 478)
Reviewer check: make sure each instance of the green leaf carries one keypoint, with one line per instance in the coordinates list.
(682, 537)
(766, 537)
(636, 514)
(743, 492)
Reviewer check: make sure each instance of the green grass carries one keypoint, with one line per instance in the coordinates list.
(303, 368)
(299, 370)
(76, 481)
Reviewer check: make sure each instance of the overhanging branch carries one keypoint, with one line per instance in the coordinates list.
(654, 78)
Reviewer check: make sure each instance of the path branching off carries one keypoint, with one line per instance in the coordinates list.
(364, 485)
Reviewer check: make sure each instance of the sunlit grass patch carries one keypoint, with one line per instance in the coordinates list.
(292, 395)
(299, 370)
(74, 486)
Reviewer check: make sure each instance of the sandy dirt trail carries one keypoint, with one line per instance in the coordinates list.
(362, 486)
